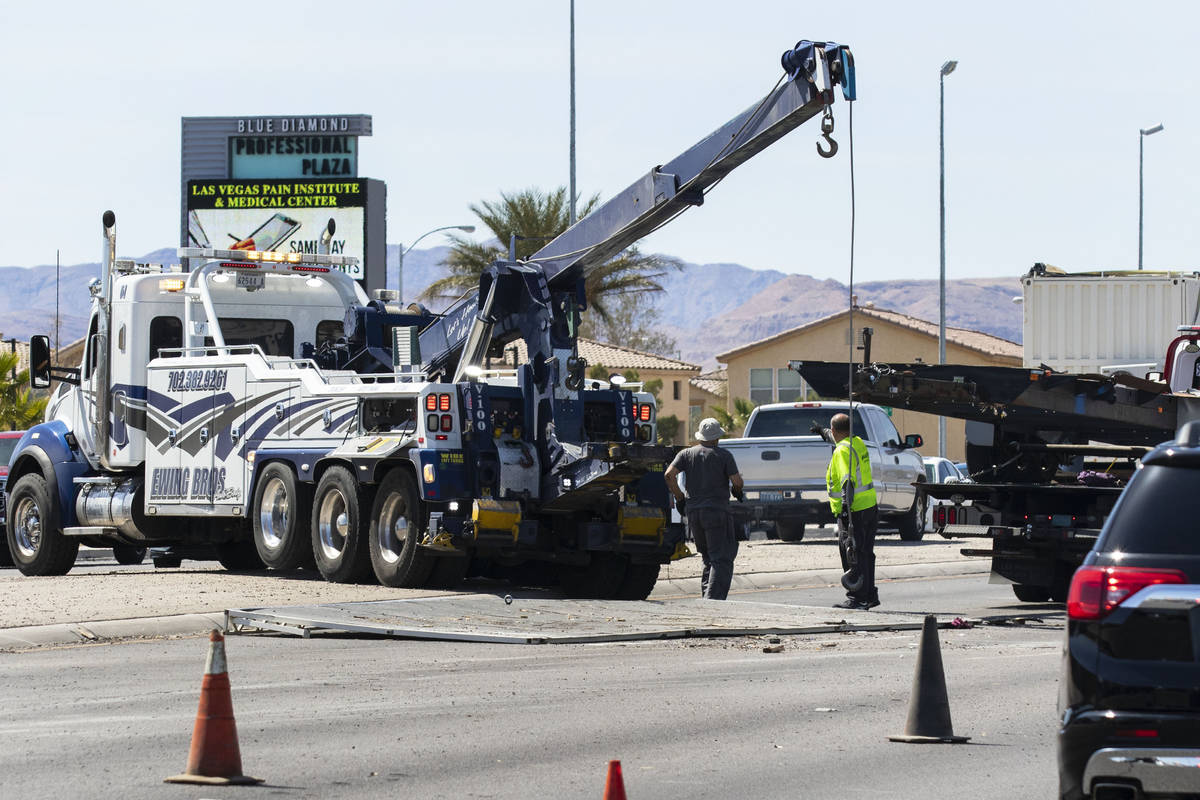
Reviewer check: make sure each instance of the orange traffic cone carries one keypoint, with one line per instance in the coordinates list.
(929, 709)
(614, 787)
(214, 757)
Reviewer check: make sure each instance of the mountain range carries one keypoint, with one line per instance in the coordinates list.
(706, 308)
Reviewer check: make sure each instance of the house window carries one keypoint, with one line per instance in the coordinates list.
(762, 385)
(675, 389)
(695, 415)
(791, 386)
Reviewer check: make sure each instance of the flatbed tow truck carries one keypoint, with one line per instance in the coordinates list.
(1028, 432)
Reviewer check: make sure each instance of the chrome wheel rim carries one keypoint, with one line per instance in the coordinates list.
(334, 524)
(27, 525)
(273, 516)
(392, 528)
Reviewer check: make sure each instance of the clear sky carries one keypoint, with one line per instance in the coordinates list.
(471, 98)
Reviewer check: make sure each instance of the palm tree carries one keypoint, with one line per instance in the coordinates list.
(19, 408)
(735, 422)
(538, 217)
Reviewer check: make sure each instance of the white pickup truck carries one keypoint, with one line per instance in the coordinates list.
(784, 463)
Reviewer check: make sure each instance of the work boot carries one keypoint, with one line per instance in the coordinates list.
(851, 603)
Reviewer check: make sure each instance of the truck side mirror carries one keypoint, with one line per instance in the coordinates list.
(39, 362)
(913, 441)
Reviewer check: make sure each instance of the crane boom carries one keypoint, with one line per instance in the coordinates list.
(813, 69)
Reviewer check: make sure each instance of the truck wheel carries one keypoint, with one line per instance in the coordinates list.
(638, 582)
(599, 579)
(35, 537)
(128, 554)
(448, 572)
(282, 514)
(1031, 594)
(396, 528)
(340, 528)
(912, 523)
(240, 556)
(790, 531)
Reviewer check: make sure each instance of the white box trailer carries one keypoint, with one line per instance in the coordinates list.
(1096, 322)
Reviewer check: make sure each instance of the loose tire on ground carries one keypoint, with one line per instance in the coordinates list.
(129, 554)
(1031, 594)
(239, 556)
(34, 533)
(790, 531)
(447, 572)
(282, 514)
(600, 579)
(912, 524)
(396, 527)
(638, 582)
(340, 527)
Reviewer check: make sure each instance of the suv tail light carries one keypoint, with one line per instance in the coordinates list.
(945, 515)
(1096, 591)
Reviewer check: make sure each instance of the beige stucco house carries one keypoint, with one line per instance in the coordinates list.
(758, 371)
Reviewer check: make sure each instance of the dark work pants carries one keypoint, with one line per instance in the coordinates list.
(858, 557)
(712, 528)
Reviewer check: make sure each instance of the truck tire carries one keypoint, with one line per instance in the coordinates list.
(396, 528)
(912, 523)
(340, 527)
(638, 582)
(599, 579)
(240, 556)
(790, 531)
(129, 554)
(1027, 593)
(282, 512)
(35, 536)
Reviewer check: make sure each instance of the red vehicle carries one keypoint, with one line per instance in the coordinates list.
(8, 442)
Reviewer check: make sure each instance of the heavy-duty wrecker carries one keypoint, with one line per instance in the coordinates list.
(260, 403)
(1029, 431)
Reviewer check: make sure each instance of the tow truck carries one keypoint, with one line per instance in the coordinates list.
(261, 403)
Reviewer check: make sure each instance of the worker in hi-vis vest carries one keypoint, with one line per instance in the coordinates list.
(852, 498)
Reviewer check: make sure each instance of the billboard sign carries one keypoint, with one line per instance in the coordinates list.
(288, 215)
(305, 156)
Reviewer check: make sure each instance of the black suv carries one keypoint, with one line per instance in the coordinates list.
(1130, 692)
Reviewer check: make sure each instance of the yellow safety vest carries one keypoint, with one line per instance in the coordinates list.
(839, 472)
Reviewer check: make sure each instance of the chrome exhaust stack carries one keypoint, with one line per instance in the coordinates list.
(100, 343)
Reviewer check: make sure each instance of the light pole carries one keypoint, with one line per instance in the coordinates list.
(572, 181)
(403, 250)
(947, 68)
(1142, 134)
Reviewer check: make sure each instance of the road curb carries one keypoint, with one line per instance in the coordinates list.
(759, 581)
(72, 633)
(107, 630)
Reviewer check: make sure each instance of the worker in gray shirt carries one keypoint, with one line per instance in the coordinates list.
(710, 472)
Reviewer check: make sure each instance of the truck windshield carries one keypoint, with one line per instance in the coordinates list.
(796, 421)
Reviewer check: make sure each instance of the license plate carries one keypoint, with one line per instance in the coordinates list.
(251, 280)
(770, 497)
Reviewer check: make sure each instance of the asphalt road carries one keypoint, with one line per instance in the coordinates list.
(338, 716)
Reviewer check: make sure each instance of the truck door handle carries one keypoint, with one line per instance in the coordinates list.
(896, 459)
(203, 435)
(770, 455)
(172, 434)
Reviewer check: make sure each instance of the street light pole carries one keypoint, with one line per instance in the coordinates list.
(946, 69)
(403, 250)
(572, 198)
(1142, 134)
